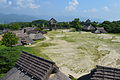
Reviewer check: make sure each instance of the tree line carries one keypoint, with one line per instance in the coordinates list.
(110, 27)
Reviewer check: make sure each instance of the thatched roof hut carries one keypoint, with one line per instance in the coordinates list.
(24, 39)
(100, 30)
(102, 73)
(52, 21)
(36, 36)
(89, 28)
(105, 73)
(6, 30)
(31, 67)
(27, 29)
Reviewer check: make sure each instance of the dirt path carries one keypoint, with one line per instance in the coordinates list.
(36, 44)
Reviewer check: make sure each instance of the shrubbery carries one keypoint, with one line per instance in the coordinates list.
(8, 57)
(9, 39)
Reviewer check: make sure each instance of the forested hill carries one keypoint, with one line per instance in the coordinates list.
(8, 18)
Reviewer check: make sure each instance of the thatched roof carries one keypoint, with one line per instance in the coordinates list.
(52, 21)
(6, 30)
(36, 36)
(19, 33)
(26, 40)
(25, 30)
(100, 30)
(105, 73)
(89, 28)
(31, 67)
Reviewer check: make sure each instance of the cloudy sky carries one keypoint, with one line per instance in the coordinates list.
(106, 9)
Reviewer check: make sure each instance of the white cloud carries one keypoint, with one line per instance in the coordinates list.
(72, 5)
(9, 2)
(33, 6)
(93, 10)
(19, 3)
(27, 4)
(107, 9)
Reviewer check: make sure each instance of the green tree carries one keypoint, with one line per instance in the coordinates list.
(76, 24)
(9, 39)
(14, 26)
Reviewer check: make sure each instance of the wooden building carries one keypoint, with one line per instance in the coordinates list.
(24, 39)
(31, 67)
(89, 28)
(105, 73)
(36, 36)
(100, 30)
(52, 23)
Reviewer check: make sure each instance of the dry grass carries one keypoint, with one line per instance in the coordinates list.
(77, 53)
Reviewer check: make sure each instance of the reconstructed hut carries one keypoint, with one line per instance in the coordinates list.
(100, 30)
(89, 28)
(31, 67)
(27, 29)
(102, 73)
(6, 30)
(52, 23)
(36, 36)
(24, 39)
(105, 73)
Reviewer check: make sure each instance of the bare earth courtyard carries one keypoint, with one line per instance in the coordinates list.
(76, 53)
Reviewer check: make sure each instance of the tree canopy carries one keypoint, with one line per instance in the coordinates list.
(9, 39)
(111, 27)
(76, 24)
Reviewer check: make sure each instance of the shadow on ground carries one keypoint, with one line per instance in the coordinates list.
(85, 77)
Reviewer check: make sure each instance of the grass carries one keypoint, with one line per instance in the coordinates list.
(88, 45)
(46, 44)
(9, 56)
(68, 39)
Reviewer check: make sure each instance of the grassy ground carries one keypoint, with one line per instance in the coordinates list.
(77, 53)
(9, 56)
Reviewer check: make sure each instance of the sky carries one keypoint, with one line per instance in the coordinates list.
(104, 9)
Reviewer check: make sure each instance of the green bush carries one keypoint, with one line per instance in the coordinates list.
(9, 39)
(9, 56)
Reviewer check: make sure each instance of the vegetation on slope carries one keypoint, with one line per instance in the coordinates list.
(9, 56)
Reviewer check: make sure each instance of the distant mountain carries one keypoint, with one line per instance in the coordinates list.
(8, 18)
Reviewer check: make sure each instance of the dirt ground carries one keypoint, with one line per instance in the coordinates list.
(78, 56)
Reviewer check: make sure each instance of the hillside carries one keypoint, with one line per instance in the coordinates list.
(8, 18)
(77, 53)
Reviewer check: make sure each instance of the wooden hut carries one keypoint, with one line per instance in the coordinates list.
(89, 28)
(24, 38)
(105, 73)
(52, 23)
(100, 30)
(27, 29)
(36, 36)
(6, 30)
(31, 67)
